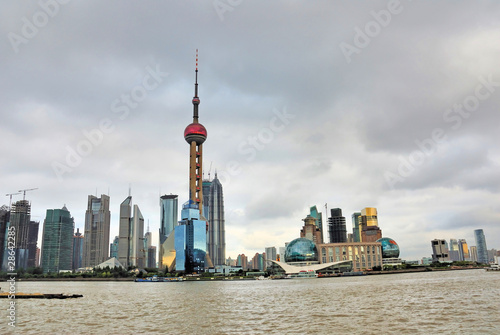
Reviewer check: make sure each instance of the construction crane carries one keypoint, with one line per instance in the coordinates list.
(28, 189)
(10, 201)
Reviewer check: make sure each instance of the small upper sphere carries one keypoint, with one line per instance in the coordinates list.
(390, 248)
(195, 132)
(196, 101)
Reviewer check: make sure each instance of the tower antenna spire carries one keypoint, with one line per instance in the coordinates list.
(196, 99)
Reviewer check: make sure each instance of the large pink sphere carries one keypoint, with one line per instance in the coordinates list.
(195, 132)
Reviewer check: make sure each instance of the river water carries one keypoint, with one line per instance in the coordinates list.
(451, 302)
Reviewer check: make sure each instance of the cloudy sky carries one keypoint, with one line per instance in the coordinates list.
(386, 104)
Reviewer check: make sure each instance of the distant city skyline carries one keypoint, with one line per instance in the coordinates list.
(406, 123)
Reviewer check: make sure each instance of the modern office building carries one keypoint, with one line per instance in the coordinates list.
(151, 259)
(190, 240)
(439, 251)
(113, 248)
(463, 250)
(97, 225)
(310, 230)
(473, 253)
(318, 216)
(168, 218)
(57, 240)
(77, 250)
(216, 224)
(482, 250)
(337, 232)
(370, 232)
(453, 250)
(26, 234)
(258, 262)
(356, 226)
(271, 253)
(131, 251)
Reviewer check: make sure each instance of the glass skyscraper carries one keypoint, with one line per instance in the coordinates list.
(97, 225)
(337, 231)
(190, 240)
(216, 245)
(356, 218)
(57, 242)
(168, 218)
(482, 250)
(313, 211)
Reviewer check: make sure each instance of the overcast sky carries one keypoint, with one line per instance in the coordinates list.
(385, 104)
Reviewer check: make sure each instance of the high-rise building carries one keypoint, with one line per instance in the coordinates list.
(113, 248)
(356, 225)
(482, 250)
(271, 253)
(463, 250)
(310, 230)
(190, 240)
(337, 232)
(131, 251)
(57, 240)
(216, 224)
(370, 232)
(26, 234)
(473, 253)
(242, 261)
(313, 211)
(37, 257)
(168, 218)
(4, 225)
(151, 259)
(258, 262)
(453, 250)
(77, 249)
(439, 251)
(97, 225)
(125, 232)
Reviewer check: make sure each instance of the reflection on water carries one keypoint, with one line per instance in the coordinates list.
(452, 302)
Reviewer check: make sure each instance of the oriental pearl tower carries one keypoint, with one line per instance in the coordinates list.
(195, 134)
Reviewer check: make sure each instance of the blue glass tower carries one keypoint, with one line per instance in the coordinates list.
(482, 251)
(190, 240)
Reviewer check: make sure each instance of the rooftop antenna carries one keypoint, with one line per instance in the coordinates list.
(196, 100)
(326, 210)
(148, 225)
(129, 189)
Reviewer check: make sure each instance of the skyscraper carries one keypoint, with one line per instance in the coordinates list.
(97, 224)
(313, 211)
(131, 251)
(370, 232)
(4, 224)
(482, 250)
(453, 250)
(310, 230)
(190, 240)
(356, 224)
(463, 250)
(337, 231)
(271, 254)
(26, 234)
(113, 248)
(57, 240)
(168, 217)
(77, 249)
(216, 224)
